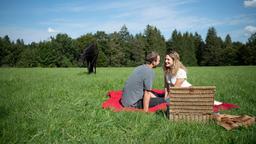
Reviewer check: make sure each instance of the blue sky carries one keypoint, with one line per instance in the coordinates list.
(37, 20)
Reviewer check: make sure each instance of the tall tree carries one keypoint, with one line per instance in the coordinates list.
(175, 42)
(5, 50)
(212, 52)
(185, 46)
(238, 47)
(170, 44)
(68, 51)
(199, 47)
(249, 53)
(29, 56)
(137, 50)
(228, 53)
(115, 52)
(102, 40)
(154, 40)
(125, 43)
(49, 54)
(14, 52)
(187, 50)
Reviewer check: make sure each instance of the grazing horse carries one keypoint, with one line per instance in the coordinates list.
(90, 55)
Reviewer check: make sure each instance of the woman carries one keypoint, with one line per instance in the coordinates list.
(175, 74)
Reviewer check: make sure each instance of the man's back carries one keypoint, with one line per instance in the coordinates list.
(141, 79)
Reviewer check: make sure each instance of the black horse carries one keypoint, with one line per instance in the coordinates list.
(90, 55)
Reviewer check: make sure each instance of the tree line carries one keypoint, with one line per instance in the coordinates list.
(124, 49)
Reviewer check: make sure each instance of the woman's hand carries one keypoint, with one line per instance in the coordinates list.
(166, 93)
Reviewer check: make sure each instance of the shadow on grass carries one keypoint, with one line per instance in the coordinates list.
(82, 73)
(85, 73)
(162, 113)
(3, 112)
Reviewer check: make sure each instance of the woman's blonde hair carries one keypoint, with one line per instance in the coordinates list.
(176, 64)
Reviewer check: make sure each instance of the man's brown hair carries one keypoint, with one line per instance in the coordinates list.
(152, 56)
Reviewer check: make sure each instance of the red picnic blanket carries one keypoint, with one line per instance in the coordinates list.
(114, 103)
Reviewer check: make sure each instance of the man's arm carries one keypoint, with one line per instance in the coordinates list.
(146, 99)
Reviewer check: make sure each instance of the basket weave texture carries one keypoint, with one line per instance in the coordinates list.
(192, 103)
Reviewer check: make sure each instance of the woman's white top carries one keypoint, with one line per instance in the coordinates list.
(181, 74)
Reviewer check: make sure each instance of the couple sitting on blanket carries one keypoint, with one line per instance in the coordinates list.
(137, 90)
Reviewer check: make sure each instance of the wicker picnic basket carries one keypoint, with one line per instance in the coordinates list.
(191, 104)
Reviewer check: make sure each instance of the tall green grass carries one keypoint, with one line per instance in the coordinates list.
(63, 105)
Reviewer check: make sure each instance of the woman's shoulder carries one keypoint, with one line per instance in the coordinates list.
(181, 73)
(181, 70)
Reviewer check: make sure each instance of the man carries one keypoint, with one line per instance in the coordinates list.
(137, 90)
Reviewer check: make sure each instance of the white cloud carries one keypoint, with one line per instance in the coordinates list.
(250, 3)
(27, 34)
(250, 29)
(137, 14)
(51, 30)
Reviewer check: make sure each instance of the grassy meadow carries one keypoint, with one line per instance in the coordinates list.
(63, 105)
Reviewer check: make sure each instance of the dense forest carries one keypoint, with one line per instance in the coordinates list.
(124, 49)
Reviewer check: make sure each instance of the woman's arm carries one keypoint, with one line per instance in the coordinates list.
(166, 87)
(165, 93)
(179, 82)
(181, 76)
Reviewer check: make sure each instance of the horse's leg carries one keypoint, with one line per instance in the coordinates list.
(95, 63)
(91, 67)
(88, 66)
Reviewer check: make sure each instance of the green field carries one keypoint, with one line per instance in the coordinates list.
(63, 105)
